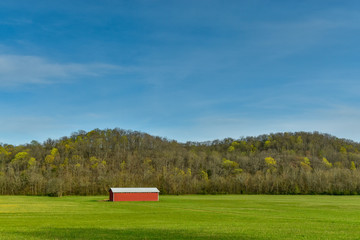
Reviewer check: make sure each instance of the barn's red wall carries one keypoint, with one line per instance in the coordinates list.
(135, 197)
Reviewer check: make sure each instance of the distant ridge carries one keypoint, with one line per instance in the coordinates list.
(88, 163)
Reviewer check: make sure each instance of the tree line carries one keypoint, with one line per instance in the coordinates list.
(88, 163)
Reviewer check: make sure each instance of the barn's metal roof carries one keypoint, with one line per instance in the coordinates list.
(133, 190)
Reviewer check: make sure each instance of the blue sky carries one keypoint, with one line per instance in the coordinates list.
(186, 70)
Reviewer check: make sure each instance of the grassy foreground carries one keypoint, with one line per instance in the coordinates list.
(181, 217)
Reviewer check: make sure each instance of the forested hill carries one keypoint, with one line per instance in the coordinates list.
(90, 162)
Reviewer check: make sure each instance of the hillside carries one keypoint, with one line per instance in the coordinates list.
(88, 163)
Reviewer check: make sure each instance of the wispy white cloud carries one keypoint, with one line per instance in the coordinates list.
(16, 21)
(16, 70)
(285, 38)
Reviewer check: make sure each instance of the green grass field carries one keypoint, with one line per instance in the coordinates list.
(181, 217)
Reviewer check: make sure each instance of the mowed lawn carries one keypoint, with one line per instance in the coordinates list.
(181, 217)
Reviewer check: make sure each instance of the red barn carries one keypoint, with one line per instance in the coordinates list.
(134, 194)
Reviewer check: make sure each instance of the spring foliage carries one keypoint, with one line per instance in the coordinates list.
(88, 163)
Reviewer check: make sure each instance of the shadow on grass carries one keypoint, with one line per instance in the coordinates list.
(101, 233)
